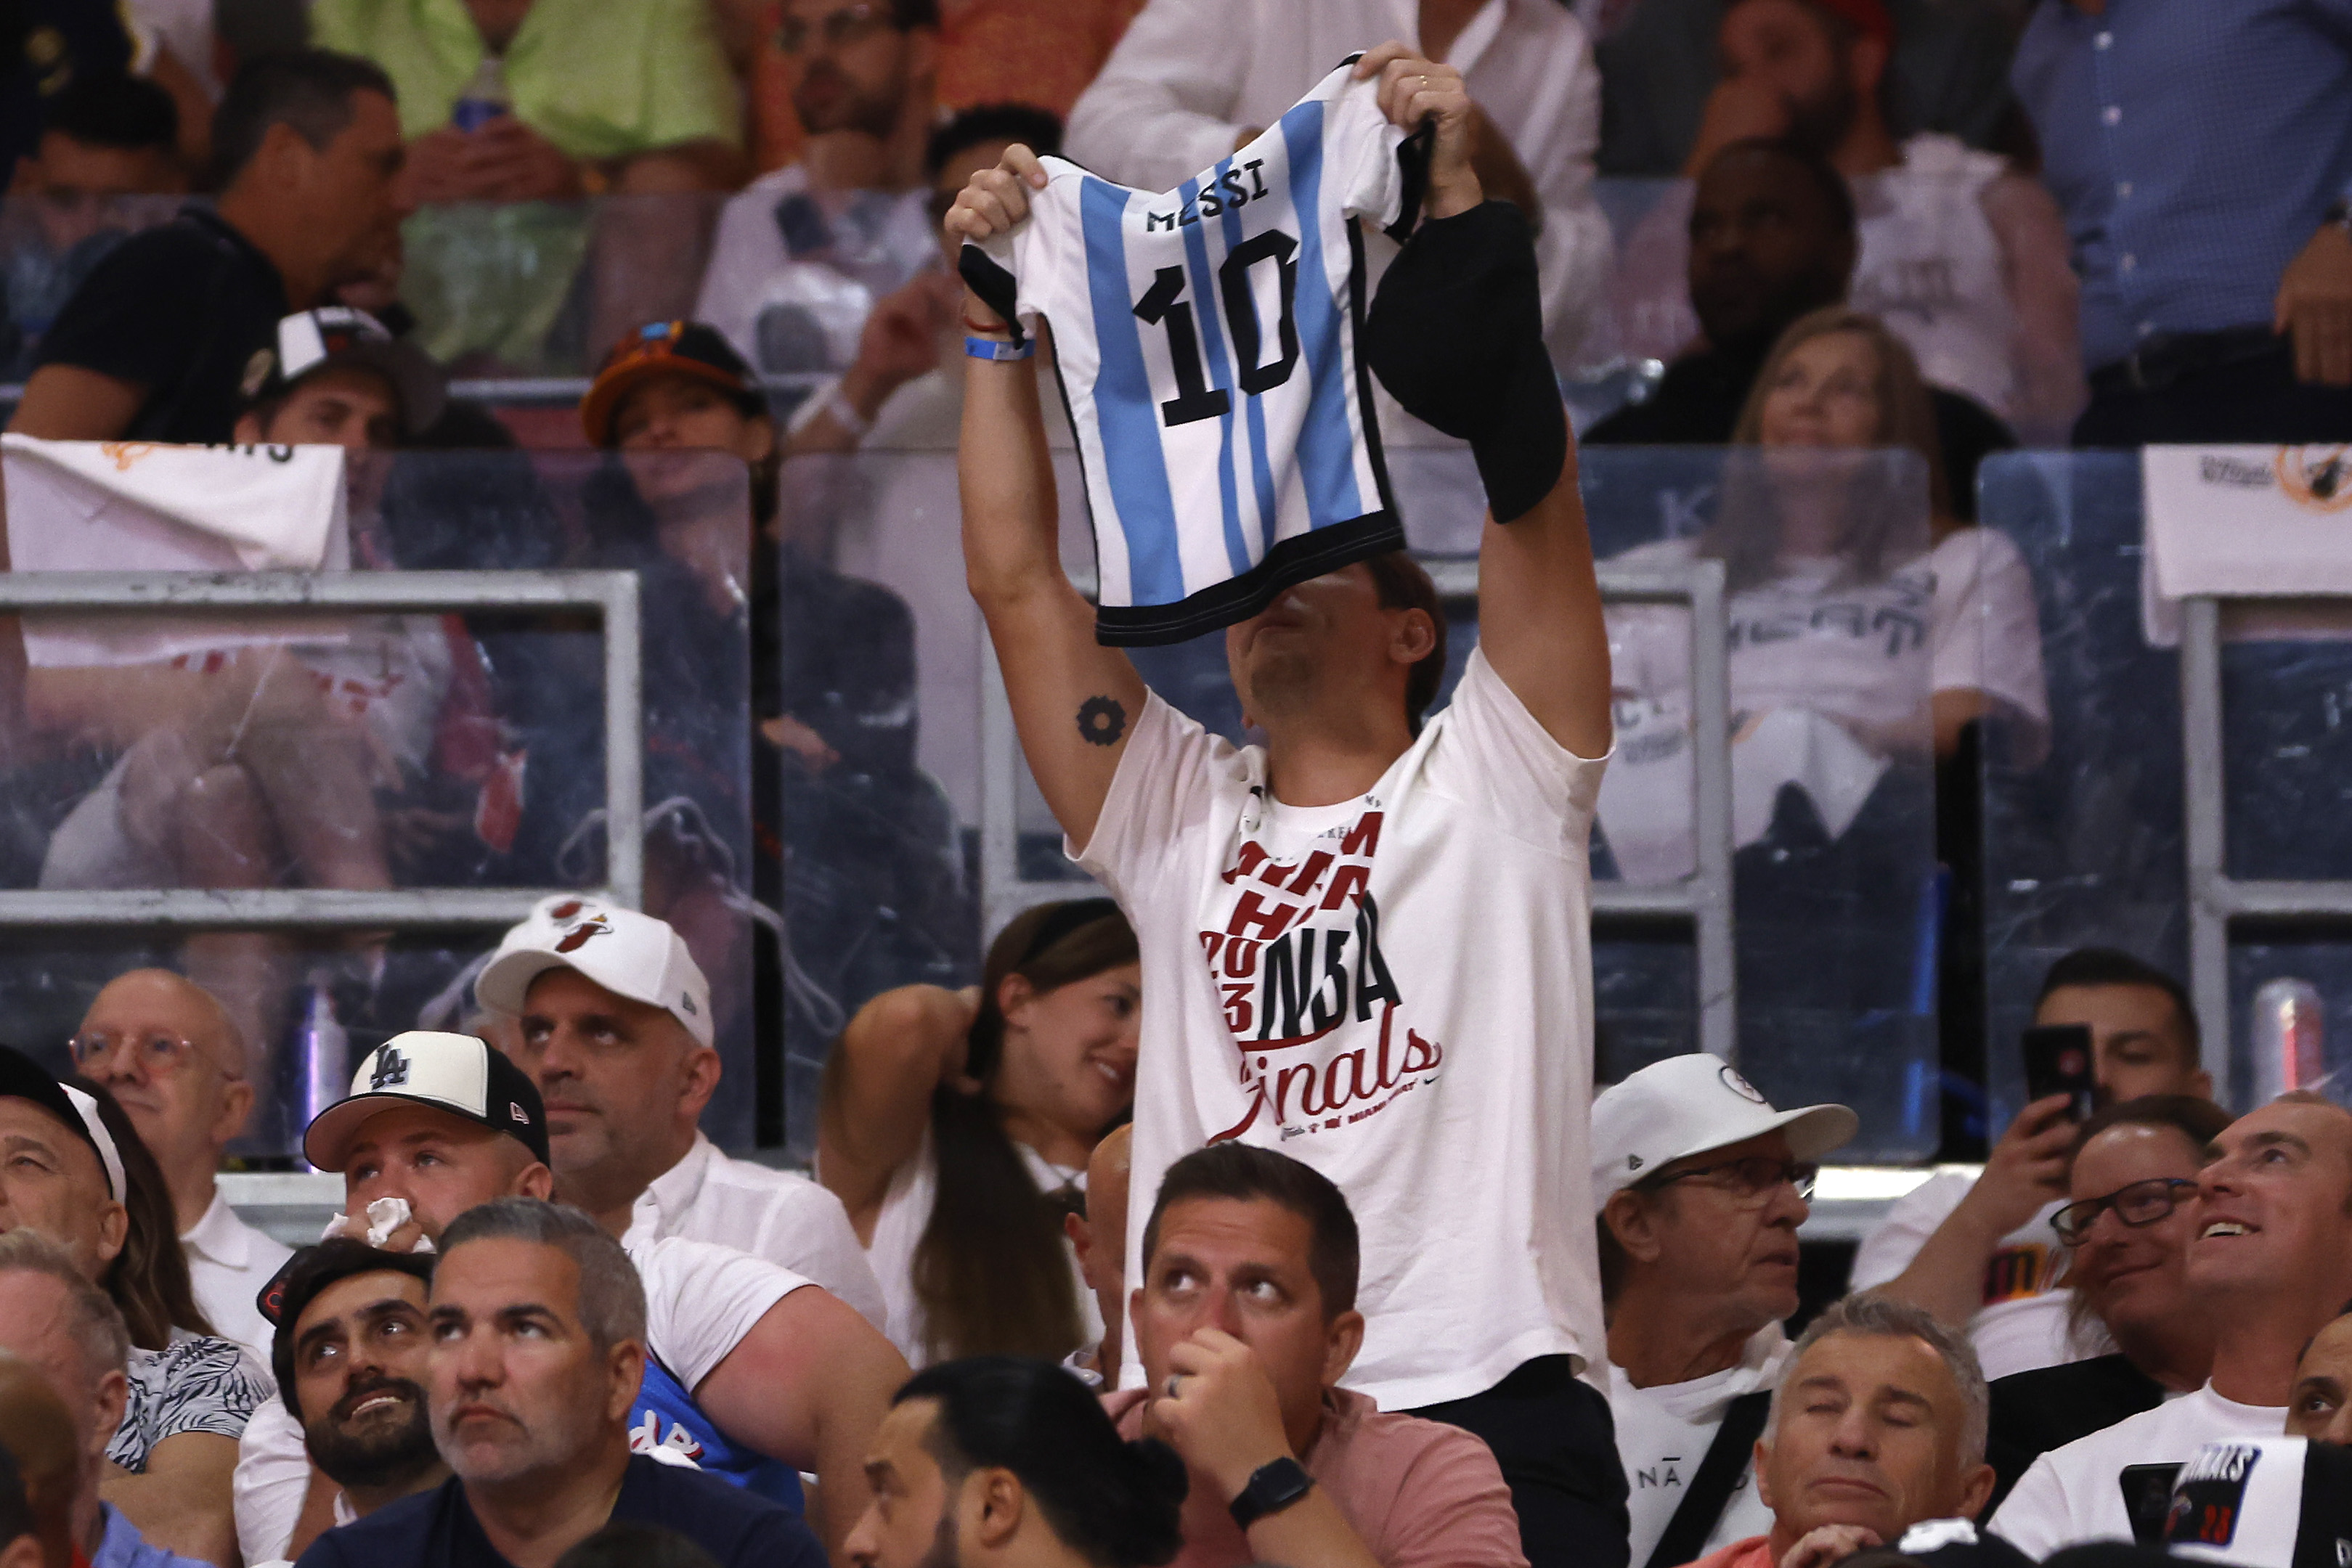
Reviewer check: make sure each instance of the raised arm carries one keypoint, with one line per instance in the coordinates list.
(877, 1091)
(1074, 701)
(1457, 337)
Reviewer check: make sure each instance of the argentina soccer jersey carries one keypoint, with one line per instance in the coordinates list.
(1205, 339)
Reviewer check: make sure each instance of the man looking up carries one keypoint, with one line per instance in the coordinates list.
(537, 1324)
(350, 1359)
(157, 345)
(1006, 1461)
(1704, 1185)
(1244, 1319)
(1981, 1255)
(751, 1370)
(177, 1066)
(615, 1029)
(1447, 860)
(2272, 1265)
(2320, 1407)
(1878, 1424)
(55, 1320)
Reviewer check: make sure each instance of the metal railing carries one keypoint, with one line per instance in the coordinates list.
(613, 594)
(1701, 901)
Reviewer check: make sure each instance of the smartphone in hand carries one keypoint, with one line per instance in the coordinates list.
(2058, 1062)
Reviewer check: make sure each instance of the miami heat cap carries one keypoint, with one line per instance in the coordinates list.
(1689, 1104)
(2263, 1502)
(452, 1072)
(628, 954)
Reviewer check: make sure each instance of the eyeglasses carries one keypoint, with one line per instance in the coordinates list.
(2141, 1203)
(155, 1053)
(837, 29)
(1751, 1181)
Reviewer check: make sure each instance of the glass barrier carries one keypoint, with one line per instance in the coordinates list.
(379, 752)
(2083, 846)
(1834, 881)
(1948, 261)
(48, 245)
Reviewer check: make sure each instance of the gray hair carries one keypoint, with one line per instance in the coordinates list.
(1882, 1317)
(100, 1333)
(612, 1298)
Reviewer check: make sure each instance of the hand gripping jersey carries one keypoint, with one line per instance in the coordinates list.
(1206, 343)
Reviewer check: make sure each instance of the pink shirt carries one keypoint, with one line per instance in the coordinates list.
(1420, 1494)
(1756, 1551)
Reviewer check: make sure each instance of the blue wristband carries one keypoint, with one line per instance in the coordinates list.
(991, 349)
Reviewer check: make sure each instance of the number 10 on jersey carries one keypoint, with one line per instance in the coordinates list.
(1164, 305)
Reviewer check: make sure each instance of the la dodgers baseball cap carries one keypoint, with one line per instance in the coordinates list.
(452, 1072)
(1689, 1104)
(628, 954)
(22, 1078)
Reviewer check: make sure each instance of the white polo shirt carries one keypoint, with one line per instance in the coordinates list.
(229, 1262)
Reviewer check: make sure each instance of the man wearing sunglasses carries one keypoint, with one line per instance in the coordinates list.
(177, 1066)
(1703, 1184)
(2270, 1262)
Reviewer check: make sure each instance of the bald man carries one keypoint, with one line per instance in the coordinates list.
(1099, 1238)
(177, 1065)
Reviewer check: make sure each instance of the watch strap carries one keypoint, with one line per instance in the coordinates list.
(1273, 1487)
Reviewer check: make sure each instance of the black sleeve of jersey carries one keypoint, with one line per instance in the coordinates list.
(136, 316)
(1413, 172)
(1456, 333)
(993, 285)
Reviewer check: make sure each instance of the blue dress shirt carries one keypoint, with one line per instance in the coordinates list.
(123, 1547)
(2194, 146)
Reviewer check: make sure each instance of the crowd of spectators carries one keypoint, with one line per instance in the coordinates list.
(1328, 1256)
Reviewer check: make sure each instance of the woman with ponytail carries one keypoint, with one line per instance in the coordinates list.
(956, 1125)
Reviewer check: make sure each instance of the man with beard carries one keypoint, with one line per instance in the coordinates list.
(748, 1369)
(537, 1324)
(805, 252)
(1773, 235)
(350, 1359)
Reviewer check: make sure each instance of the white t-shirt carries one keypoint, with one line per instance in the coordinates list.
(2071, 1495)
(1663, 1434)
(229, 1262)
(1812, 660)
(815, 287)
(778, 1216)
(898, 1226)
(700, 1300)
(1396, 990)
(2022, 1323)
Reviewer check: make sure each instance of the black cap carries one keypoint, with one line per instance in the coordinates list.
(665, 349)
(22, 1078)
(453, 1072)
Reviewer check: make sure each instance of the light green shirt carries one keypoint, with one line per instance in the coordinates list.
(599, 78)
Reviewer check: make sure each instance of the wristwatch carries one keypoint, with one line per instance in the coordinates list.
(1273, 1487)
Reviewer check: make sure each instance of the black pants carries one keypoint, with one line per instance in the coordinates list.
(2256, 401)
(1553, 1435)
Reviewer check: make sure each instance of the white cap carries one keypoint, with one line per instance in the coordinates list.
(1689, 1104)
(628, 954)
(453, 1072)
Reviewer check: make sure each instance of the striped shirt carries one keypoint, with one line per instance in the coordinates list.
(1206, 343)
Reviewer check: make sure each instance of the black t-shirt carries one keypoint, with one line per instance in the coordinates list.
(185, 310)
(1698, 404)
(2050, 1406)
(437, 1528)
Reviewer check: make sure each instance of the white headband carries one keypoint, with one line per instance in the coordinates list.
(107, 1155)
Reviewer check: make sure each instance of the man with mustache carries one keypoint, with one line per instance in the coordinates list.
(350, 1359)
(2271, 1264)
(1878, 1425)
(537, 1324)
(748, 1369)
(615, 1030)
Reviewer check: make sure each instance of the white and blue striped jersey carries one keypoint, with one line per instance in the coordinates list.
(1205, 339)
